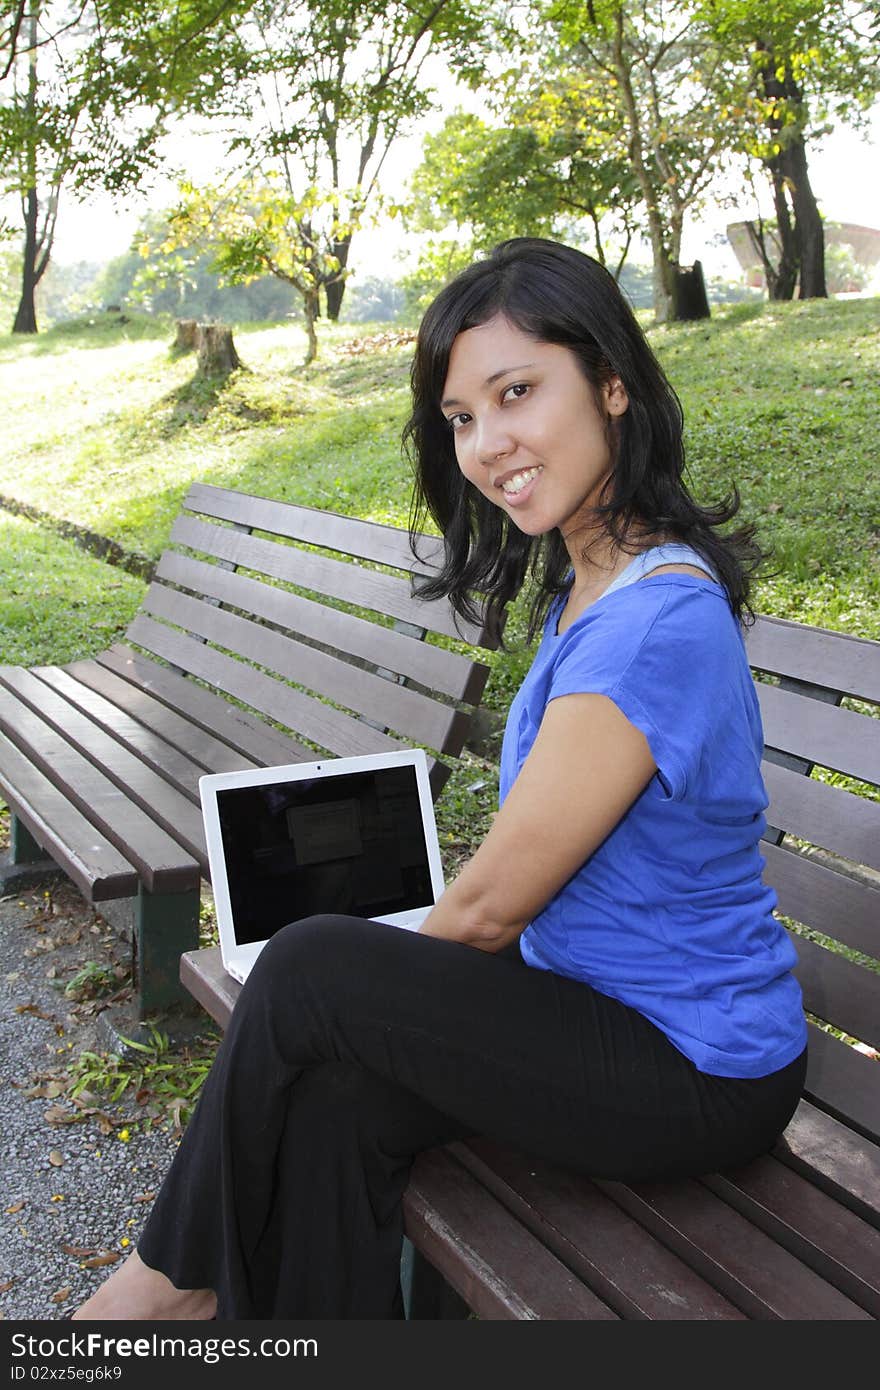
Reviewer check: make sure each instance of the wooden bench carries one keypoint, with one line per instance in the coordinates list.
(794, 1235)
(271, 633)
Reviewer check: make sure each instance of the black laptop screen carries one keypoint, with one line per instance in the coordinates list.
(351, 843)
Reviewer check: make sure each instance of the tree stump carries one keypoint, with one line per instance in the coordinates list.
(217, 354)
(187, 331)
(689, 298)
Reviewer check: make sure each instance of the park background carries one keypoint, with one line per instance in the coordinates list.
(185, 188)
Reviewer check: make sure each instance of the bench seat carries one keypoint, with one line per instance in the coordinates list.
(270, 634)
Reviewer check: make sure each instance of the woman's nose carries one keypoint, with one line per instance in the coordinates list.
(494, 441)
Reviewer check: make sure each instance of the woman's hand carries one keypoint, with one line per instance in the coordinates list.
(587, 766)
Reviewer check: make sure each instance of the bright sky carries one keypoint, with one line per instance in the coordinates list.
(840, 172)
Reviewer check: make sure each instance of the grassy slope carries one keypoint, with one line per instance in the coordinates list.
(103, 427)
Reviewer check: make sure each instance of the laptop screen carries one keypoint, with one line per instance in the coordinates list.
(351, 844)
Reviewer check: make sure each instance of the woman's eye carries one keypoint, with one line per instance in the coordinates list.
(456, 422)
(517, 390)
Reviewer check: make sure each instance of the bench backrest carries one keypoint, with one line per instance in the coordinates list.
(308, 617)
(820, 694)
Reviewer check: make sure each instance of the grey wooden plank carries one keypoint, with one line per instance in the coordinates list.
(836, 660)
(825, 899)
(844, 1083)
(330, 729)
(497, 1266)
(160, 861)
(742, 1261)
(823, 1234)
(169, 808)
(831, 1155)
(86, 856)
(840, 991)
(340, 579)
(238, 728)
(174, 766)
(436, 668)
(825, 815)
(367, 540)
(210, 753)
(630, 1270)
(834, 738)
(425, 720)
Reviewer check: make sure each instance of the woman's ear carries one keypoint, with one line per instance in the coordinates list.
(616, 398)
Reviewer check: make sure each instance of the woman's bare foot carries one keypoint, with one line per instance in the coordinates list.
(137, 1293)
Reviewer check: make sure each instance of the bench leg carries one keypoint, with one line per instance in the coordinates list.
(26, 864)
(166, 925)
(426, 1294)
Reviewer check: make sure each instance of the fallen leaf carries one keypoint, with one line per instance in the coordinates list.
(35, 1010)
(106, 1257)
(4, 1288)
(61, 1295)
(144, 1196)
(56, 1158)
(16, 1206)
(79, 1251)
(57, 1115)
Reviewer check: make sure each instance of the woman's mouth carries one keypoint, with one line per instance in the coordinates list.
(518, 486)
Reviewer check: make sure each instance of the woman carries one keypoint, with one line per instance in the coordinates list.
(604, 984)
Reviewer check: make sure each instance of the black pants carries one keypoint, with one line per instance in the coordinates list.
(354, 1046)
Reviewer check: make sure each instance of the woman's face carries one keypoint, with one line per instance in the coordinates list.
(528, 428)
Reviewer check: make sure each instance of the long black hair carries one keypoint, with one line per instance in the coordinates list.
(557, 295)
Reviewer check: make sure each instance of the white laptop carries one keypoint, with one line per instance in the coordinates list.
(354, 836)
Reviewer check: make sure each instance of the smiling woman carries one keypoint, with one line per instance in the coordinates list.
(604, 984)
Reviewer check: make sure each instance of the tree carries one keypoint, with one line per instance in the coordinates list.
(659, 70)
(791, 67)
(252, 229)
(319, 93)
(552, 166)
(86, 89)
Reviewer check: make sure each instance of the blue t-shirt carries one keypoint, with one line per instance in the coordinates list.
(669, 914)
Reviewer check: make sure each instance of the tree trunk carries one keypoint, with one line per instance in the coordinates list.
(217, 354)
(311, 305)
(782, 279)
(26, 314)
(808, 226)
(334, 287)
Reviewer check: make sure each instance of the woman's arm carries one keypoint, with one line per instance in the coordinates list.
(587, 766)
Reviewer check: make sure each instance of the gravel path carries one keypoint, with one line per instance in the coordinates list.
(74, 1195)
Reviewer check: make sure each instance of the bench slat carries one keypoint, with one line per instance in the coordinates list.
(836, 660)
(329, 728)
(830, 1154)
(434, 667)
(838, 739)
(497, 1266)
(826, 816)
(95, 865)
(171, 764)
(173, 812)
(422, 719)
(839, 991)
(339, 579)
(631, 1271)
(238, 728)
(833, 1241)
(202, 973)
(164, 866)
(368, 540)
(825, 899)
(844, 1082)
(755, 1273)
(209, 752)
